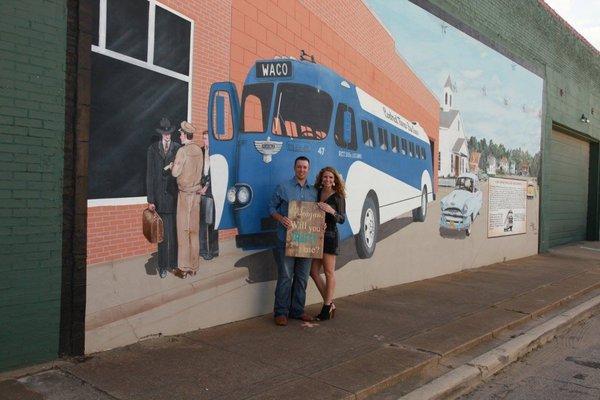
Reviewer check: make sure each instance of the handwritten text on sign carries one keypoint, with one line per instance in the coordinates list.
(305, 237)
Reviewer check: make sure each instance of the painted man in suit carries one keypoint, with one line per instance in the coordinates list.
(162, 193)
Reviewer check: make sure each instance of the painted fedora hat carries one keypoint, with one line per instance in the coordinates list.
(165, 126)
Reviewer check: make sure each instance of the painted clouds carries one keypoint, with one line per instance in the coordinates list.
(499, 99)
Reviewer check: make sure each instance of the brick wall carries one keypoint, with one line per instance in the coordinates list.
(32, 98)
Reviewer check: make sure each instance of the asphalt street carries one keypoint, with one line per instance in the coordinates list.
(566, 368)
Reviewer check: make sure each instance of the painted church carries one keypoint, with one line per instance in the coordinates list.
(454, 150)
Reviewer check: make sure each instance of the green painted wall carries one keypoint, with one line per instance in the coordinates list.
(32, 115)
(526, 30)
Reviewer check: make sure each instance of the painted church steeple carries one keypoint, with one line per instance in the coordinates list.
(448, 92)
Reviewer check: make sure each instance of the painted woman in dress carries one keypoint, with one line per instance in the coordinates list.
(331, 197)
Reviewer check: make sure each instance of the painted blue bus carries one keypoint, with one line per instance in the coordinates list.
(295, 107)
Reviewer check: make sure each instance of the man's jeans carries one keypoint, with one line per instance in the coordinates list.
(292, 276)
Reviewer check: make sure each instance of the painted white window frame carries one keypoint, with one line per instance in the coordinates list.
(148, 64)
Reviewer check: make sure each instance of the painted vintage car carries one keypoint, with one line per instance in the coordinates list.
(462, 205)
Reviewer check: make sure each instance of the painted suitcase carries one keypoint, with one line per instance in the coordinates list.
(152, 226)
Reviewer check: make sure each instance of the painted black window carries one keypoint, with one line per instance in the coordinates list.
(344, 133)
(172, 41)
(127, 27)
(123, 123)
(368, 133)
(411, 150)
(129, 98)
(301, 111)
(256, 101)
(383, 138)
(95, 4)
(404, 147)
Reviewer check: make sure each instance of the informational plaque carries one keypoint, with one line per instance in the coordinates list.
(305, 237)
(507, 207)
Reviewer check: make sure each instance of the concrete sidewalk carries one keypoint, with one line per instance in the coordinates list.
(377, 339)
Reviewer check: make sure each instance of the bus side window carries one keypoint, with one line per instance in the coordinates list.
(395, 146)
(383, 138)
(368, 134)
(412, 149)
(404, 147)
(222, 118)
(345, 127)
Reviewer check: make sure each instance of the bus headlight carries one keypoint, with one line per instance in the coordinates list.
(243, 195)
(231, 194)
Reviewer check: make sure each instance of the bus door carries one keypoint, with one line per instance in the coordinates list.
(223, 119)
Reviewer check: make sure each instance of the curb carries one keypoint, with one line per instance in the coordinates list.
(460, 380)
(32, 369)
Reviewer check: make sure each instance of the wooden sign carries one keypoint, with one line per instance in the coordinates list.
(305, 237)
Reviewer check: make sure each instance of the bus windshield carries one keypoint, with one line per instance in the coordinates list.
(301, 111)
(256, 101)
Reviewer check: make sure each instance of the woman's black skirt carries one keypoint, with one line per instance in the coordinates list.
(330, 242)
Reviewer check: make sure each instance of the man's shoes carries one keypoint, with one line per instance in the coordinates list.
(281, 320)
(162, 273)
(304, 317)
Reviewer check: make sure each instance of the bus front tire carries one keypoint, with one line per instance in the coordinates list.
(419, 214)
(366, 240)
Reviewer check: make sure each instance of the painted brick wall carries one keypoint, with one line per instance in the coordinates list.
(229, 40)
(114, 232)
(32, 98)
(530, 32)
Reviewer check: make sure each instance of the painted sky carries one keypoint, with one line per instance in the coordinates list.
(498, 99)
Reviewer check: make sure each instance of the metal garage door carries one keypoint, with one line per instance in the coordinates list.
(568, 194)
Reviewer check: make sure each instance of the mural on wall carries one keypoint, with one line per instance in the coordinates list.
(198, 113)
(490, 112)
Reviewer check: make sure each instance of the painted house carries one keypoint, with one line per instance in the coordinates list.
(503, 166)
(492, 166)
(454, 151)
(524, 169)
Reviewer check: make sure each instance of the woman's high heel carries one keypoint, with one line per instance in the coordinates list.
(327, 312)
